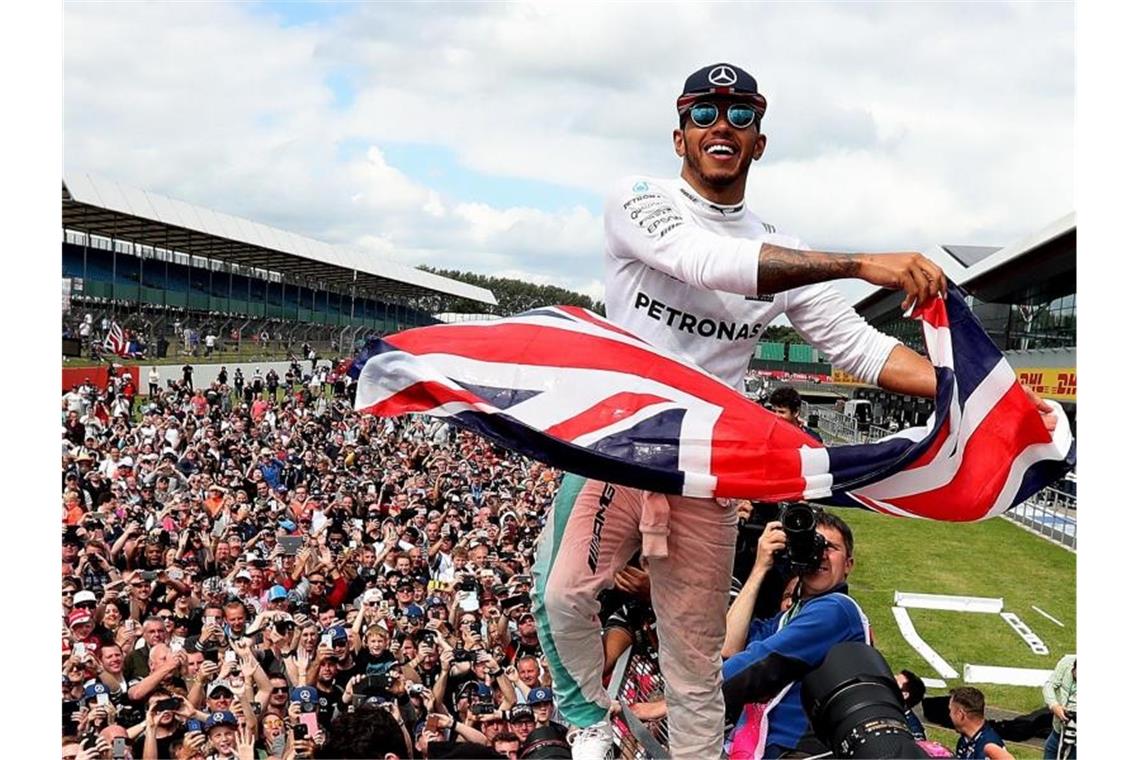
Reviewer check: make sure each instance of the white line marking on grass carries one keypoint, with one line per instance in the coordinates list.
(1047, 616)
(1005, 676)
(946, 602)
(1027, 635)
(906, 627)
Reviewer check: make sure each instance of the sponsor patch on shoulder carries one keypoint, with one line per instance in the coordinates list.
(640, 187)
(762, 297)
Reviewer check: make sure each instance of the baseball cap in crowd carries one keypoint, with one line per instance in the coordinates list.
(287, 525)
(303, 694)
(414, 612)
(538, 695)
(217, 686)
(476, 690)
(78, 617)
(243, 574)
(220, 718)
(84, 597)
(338, 633)
(373, 595)
(435, 601)
(277, 593)
(93, 690)
(519, 713)
(723, 79)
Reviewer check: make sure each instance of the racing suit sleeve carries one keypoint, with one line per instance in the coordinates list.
(821, 315)
(769, 663)
(643, 222)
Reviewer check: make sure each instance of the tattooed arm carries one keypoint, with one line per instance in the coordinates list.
(782, 269)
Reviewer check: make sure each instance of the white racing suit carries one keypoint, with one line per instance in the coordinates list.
(681, 273)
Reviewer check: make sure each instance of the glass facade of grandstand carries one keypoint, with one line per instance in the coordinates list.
(120, 272)
(1037, 323)
(1043, 324)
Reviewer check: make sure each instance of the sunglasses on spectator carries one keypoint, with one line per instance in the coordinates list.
(279, 690)
(739, 115)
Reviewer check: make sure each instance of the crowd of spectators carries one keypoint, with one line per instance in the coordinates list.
(251, 569)
(276, 576)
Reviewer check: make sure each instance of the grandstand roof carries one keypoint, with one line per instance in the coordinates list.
(103, 207)
(1042, 264)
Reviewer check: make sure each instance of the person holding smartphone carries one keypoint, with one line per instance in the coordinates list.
(164, 716)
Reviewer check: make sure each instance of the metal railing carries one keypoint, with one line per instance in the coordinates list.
(1051, 513)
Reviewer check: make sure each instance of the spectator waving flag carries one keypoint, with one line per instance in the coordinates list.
(116, 341)
(566, 387)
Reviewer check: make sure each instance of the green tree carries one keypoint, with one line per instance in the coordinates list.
(513, 295)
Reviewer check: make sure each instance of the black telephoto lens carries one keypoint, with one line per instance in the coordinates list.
(855, 706)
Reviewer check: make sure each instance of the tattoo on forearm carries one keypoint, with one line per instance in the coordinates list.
(782, 268)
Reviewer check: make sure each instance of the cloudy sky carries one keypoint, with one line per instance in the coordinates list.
(485, 136)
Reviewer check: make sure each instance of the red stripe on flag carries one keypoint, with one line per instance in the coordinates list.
(420, 397)
(933, 312)
(588, 316)
(535, 345)
(986, 462)
(611, 410)
(935, 446)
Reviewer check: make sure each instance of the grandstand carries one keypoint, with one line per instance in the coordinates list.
(1024, 294)
(159, 266)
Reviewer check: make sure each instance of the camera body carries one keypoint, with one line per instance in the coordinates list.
(805, 546)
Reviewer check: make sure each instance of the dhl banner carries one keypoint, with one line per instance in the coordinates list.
(1057, 383)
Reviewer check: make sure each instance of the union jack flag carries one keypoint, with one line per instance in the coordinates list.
(116, 341)
(566, 387)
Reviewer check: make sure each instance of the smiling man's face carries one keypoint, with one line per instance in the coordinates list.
(718, 157)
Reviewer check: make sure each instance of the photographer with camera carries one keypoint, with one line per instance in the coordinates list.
(1060, 693)
(766, 659)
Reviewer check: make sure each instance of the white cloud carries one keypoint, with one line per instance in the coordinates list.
(890, 126)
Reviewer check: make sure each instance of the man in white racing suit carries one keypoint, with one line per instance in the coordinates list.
(690, 269)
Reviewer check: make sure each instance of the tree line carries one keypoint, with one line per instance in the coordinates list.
(513, 295)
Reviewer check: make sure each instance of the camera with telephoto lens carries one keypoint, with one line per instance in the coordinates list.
(855, 706)
(1067, 747)
(805, 546)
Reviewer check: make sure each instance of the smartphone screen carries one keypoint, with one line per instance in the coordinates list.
(309, 720)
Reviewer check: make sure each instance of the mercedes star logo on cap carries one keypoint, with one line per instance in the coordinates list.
(722, 76)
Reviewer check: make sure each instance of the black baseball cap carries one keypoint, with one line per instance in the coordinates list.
(722, 79)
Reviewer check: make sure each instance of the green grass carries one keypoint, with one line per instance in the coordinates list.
(994, 558)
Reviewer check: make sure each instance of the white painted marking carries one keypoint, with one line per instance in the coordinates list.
(947, 602)
(1005, 676)
(934, 683)
(906, 627)
(1047, 616)
(1027, 635)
